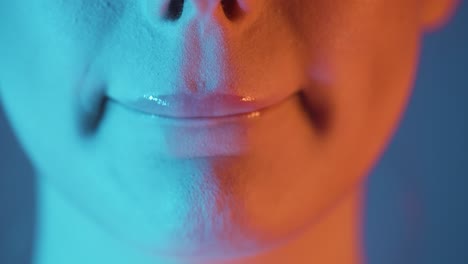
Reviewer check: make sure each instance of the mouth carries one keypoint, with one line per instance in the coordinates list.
(192, 108)
(181, 109)
(190, 131)
(190, 125)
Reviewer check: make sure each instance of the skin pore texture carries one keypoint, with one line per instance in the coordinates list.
(326, 82)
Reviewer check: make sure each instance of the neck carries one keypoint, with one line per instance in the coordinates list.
(65, 235)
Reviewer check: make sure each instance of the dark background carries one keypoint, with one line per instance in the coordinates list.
(417, 208)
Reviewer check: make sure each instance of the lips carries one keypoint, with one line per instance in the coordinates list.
(96, 97)
(96, 93)
(188, 106)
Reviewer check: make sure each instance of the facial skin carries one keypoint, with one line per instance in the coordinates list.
(336, 76)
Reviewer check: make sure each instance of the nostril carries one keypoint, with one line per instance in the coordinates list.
(174, 10)
(231, 9)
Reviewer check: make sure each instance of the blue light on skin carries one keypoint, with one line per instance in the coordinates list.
(133, 189)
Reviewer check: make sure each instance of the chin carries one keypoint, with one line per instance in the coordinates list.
(191, 211)
(199, 215)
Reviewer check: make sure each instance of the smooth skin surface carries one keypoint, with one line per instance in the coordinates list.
(337, 75)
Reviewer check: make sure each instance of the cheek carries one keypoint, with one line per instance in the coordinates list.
(44, 50)
(361, 62)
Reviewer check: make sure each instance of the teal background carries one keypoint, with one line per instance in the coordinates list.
(416, 202)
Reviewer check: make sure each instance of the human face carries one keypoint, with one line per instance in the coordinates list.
(209, 128)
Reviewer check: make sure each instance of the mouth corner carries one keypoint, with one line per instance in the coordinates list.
(92, 102)
(90, 118)
(318, 110)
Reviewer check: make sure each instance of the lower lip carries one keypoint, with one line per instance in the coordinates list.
(185, 137)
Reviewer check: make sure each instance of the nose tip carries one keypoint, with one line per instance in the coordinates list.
(173, 10)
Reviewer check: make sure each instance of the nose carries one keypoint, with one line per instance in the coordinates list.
(175, 10)
(201, 37)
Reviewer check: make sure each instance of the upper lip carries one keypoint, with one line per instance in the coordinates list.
(196, 106)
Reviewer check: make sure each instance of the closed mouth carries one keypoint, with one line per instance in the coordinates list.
(191, 108)
(177, 109)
